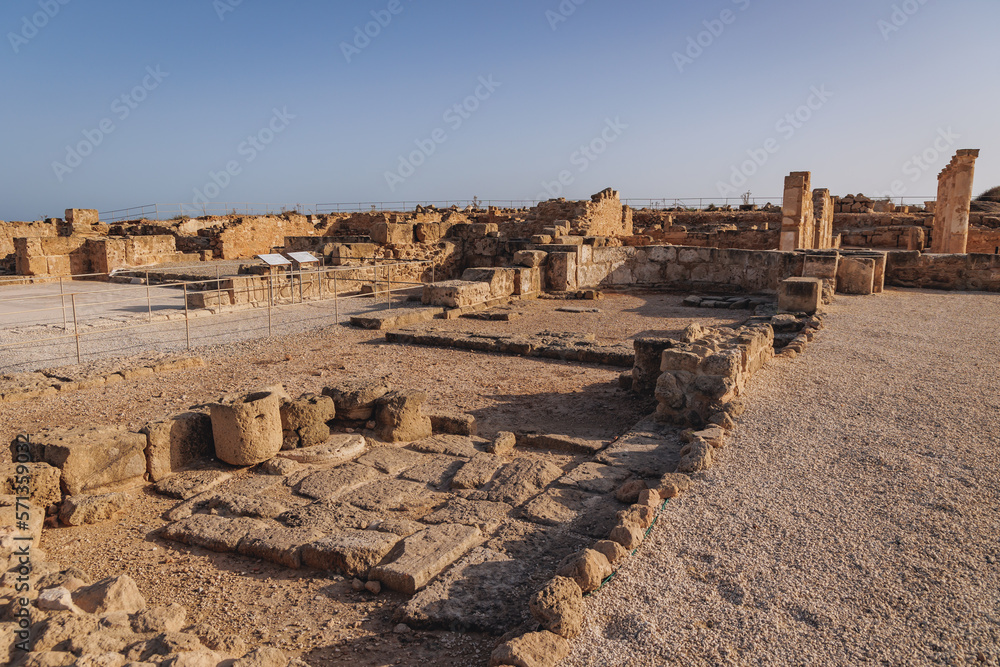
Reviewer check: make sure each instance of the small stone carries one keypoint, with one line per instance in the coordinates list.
(627, 535)
(673, 484)
(402, 629)
(588, 568)
(559, 607)
(357, 585)
(630, 490)
(373, 587)
(503, 444)
(535, 649)
(57, 599)
(614, 552)
(722, 419)
(649, 498)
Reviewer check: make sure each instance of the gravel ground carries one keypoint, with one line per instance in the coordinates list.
(853, 519)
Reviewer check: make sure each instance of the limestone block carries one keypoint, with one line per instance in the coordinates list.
(422, 556)
(527, 280)
(521, 480)
(614, 552)
(109, 595)
(501, 280)
(558, 607)
(248, 431)
(530, 258)
(535, 649)
(678, 359)
(477, 472)
(41, 479)
(648, 358)
(92, 459)
(428, 232)
(454, 423)
(456, 293)
(80, 510)
(353, 552)
(355, 400)
(82, 216)
(856, 275)
(588, 568)
(400, 419)
(561, 272)
(800, 295)
(173, 444)
(384, 233)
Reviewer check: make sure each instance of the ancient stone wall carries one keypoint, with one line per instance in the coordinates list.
(57, 256)
(962, 272)
(951, 212)
(984, 241)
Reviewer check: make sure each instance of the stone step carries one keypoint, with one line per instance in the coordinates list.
(397, 317)
(424, 555)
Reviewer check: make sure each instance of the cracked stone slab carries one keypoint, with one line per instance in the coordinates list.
(254, 507)
(330, 516)
(212, 532)
(278, 544)
(187, 485)
(419, 558)
(596, 477)
(436, 470)
(391, 460)
(483, 514)
(452, 445)
(486, 591)
(338, 449)
(519, 481)
(353, 552)
(644, 451)
(249, 486)
(561, 443)
(336, 482)
(478, 472)
(396, 495)
(585, 513)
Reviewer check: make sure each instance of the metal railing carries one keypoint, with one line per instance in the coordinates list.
(325, 284)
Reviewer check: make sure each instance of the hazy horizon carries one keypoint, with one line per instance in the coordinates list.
(233, 101)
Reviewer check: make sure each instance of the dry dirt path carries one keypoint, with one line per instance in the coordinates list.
(855, 517)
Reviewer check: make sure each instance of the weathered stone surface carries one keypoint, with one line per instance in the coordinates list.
(641, 516)
(629, 491)
(485, 591)
(535, 649)
(280, 467)
(452, 445)
(108, 595)
(585, 513)
(561, 443)
(171, 618)
(695, 457)
(559, 607)
(628, 535)
(248, 430)
(353, 552)
(175, 443)
(48, 659)
(197, 658)
(503, 444)
(216, 640)
(336, 482)
(643, 451)
(613, 551)
(397, 526)
(456, 423)
(54, 633)
(92, 460)
(265, 656)
(355, 400)
(500, 280)
(336, 450)
(483, 514)
(456, 293)
(519, 481)
(595, 477)
(163, 645)
(530, 258)
(396, 495)
(800, 295)
(672, 485)
(278, 544)
(588, 568)
(212, 532)
(422, 556)
(248, 486)
(399, 417)
(80, 510)
(477, 472)
(254, 507)
(305, 411)
(57, 599)
(44, 488)
(391, 460)
(437, 470)
(330, 516)
(189, 484)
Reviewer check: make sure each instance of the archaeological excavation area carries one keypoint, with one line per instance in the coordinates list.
(436, 442)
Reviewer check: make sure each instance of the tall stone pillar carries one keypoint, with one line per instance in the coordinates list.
(823, 216)
(951, 213)
(797, 212)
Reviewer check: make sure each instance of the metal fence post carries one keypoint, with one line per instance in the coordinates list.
(336, 297)
(187, 317)
(270, 301)
(218, 285)
(149, 299)
(76, 330)
(62, 297)
(388, 281)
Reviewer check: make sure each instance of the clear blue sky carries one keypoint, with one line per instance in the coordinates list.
(888, 91)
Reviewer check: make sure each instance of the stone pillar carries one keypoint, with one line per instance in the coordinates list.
(951, 212)
(823, 217)
(248, 430)
(796, 209)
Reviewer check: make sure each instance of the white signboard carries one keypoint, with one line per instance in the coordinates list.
(303, 257)
(274, 260)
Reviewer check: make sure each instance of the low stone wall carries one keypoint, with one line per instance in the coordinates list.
(63, 256)
(984, 241)
(972, 272)
(904, 238)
